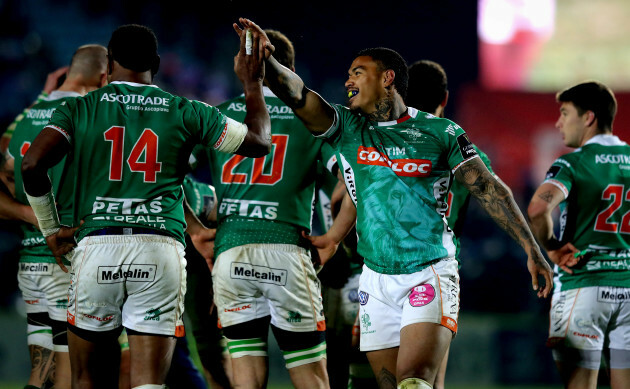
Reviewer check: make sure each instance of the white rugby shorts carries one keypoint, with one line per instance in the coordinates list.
(390, 302)
(257, 280)
(44, 288)
(590, 318)
(138, 281)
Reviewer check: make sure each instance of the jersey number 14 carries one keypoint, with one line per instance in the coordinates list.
(146, 145)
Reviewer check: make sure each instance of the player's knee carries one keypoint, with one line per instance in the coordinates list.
(248, 339)
(301, 348)
(414, 383)
(569, 356)
(60, 336)
(619, 359)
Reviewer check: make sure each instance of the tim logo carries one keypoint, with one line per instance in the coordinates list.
(363, 297)
(401, 167)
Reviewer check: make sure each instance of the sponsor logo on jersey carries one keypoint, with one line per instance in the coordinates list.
(33, 241)
(619, 159)
(294, 317)
(612, 295)
(421, 295)
(553, 172)
(249, 208)
(589, 336)
(36, 268)
(466, 148)
(273, 109)
(363, 297)
(35, 113)
(241, 308)
(221, 139)
(401, 167)
(414, 134)
(135, 99)
(451, 129)
(128, 273)
(348, 177)
(264, 274)
(129, 210)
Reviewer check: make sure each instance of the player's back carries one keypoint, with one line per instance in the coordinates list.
(596, 213)
(131, 146)
(267, 199)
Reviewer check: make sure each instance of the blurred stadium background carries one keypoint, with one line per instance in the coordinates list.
(505, 60)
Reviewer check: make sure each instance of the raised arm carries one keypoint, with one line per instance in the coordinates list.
(497, 201)
(250, 69)
(544, 201)
(317, 115)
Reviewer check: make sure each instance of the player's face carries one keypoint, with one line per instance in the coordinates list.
(571, 124)
(365, 85)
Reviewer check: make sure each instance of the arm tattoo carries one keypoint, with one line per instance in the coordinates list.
(495, 199)
(547, 196)
(386, 379)
(287, 85)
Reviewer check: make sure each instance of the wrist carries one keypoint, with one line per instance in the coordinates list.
(46, 212)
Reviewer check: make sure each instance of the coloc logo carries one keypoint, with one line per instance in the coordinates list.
(401, 167)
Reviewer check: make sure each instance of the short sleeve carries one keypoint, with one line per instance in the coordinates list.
(329, 158)
(344, 119)
(560, 174)
(61, 119)
(459, 148)
(207, 122)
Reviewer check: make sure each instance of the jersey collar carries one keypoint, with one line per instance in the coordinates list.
(411, 113)
(605, 140)
(133, 83)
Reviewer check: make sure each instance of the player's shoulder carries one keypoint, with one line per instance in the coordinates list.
(431, 122)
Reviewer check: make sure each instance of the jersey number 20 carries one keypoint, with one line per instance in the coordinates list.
(147, 144)
(228, 176)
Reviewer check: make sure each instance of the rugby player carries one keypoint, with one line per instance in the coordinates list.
(263, 273)
(44, 286)
(398, 165)
(131, 142)
(591, 186)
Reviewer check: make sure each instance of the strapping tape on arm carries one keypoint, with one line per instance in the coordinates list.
(46, 212)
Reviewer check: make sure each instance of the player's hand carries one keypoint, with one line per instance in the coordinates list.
(537, 265)
(264, 46)
(250, 68)
(203, 240)
(53, 79)
(565, 257)
(61, 244)
(324, 247)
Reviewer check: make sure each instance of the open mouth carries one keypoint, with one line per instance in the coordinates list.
(352, 93)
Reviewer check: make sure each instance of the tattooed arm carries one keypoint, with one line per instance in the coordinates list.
(317, 115)
(544, 201)
(497, 201)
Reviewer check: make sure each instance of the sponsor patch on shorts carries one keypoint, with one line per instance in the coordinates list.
(612, 295)
(363, 297)
(127, 273)
(40, 269)
(268, 275)
(421, 295)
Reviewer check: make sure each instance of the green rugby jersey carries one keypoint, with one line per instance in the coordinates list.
(267, 199)
(595, 215)
(457, 201)
(200, 198)
(131, 145)
(398, 174)
(29, 125)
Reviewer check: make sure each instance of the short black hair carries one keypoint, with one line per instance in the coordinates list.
(135, 48)
(389, 59)
(428, 86)
(284, 52)
(592, 96)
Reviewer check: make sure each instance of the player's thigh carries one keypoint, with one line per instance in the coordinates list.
(577, 329)
(237, 291)
(422, 350)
